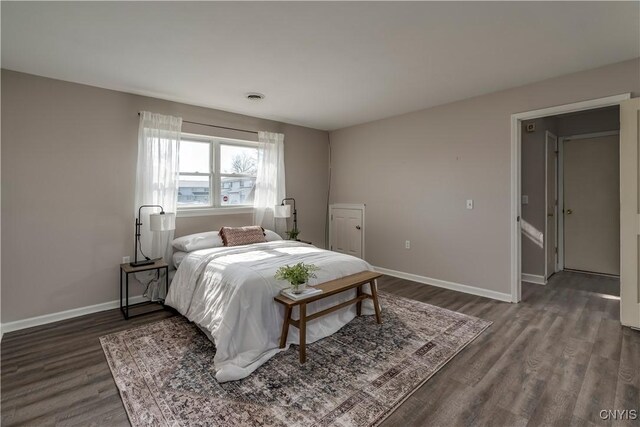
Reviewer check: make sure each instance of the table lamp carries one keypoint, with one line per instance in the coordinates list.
(284, 211)
(163, 221)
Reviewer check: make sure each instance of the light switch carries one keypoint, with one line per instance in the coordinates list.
(470, 204)
(525, 199)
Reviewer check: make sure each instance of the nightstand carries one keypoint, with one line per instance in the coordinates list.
(127, 269)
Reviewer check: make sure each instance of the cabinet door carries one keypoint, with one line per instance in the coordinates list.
(346, 230)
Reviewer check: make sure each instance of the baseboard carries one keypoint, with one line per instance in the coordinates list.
(533, 278)
(68, 314)
(63, 315)
(447, 285)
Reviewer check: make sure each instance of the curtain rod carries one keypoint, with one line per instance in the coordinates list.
(219, 127)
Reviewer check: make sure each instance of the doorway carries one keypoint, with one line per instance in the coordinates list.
(570, 194)
(534, 232)
(571, 186)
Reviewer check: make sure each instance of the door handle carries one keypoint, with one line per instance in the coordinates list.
(569, 211)
(357, 227)
(549, 215)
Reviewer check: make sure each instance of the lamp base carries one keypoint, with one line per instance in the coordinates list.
(142, 263)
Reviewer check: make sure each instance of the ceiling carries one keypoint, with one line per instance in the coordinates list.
(325, 65)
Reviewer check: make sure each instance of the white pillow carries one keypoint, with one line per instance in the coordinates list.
(193, 242)
(210, 239)
(271, 236)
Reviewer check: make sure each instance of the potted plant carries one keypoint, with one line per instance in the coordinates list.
(297, 275)
(293, 234)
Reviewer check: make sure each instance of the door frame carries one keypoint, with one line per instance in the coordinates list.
(561, 142)
(356, 206)
(546, 204)
(516, 174)
(629, 215)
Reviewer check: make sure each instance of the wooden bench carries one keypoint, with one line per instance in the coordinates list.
(328, 289)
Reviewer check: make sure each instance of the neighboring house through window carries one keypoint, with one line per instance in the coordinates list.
(216, 172)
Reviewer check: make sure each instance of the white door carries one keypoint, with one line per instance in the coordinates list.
(347, 230)
(592, 204)
(629, 212)
(550, 238)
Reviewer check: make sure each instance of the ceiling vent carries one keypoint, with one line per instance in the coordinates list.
(254, 96)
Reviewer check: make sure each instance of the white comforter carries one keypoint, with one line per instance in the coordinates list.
(228, 292)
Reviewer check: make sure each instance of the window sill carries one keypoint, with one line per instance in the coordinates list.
(191, 212)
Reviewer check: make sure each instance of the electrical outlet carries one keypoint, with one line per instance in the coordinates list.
(126, 259)
(469, 204)
(525, 199)
(407, 244)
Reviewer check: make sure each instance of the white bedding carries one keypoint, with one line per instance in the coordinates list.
(228, 292)
(178, 256)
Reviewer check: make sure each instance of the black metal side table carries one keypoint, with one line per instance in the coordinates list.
(127, 269)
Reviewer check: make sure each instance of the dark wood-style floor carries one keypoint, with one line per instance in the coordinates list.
(557, 358)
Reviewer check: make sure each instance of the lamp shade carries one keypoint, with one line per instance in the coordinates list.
(162, 222)
(282, 211)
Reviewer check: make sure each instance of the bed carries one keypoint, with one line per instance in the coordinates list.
(228, 292)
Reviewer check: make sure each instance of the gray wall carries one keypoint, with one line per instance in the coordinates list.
(599, 120)
(68, 175)
(415, 172)
(533, 169)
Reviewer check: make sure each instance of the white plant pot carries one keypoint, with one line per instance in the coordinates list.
(300, 288)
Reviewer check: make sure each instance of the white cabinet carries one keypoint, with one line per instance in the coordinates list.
(346, 229)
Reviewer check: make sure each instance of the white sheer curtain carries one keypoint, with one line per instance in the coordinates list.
(156, 184)
(270, 183)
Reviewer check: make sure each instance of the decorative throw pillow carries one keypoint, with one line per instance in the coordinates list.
(236, 236)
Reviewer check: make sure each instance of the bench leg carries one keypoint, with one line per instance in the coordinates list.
(359, 303)
(303, 332)
(374, 295)
(285, 326)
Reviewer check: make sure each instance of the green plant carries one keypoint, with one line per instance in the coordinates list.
(296, 274)
(293, 234)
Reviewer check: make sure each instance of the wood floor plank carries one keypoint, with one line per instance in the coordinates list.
(555, 406)
(598, 388)
(609, 338)
(580, 422)
(628, 385)
(500, 417)
(586, 327)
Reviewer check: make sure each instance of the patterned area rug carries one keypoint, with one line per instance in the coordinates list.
(356, 377)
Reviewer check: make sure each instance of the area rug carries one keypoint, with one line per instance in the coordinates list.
(356, 377)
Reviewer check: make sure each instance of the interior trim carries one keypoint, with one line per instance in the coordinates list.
(192, 212)
(500, 296)
(30, 322)
(516, 190)
(533, 278)
(81, 311)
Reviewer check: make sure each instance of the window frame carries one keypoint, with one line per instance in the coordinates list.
(215, 177)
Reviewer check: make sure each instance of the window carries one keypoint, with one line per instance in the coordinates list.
(216, 173)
